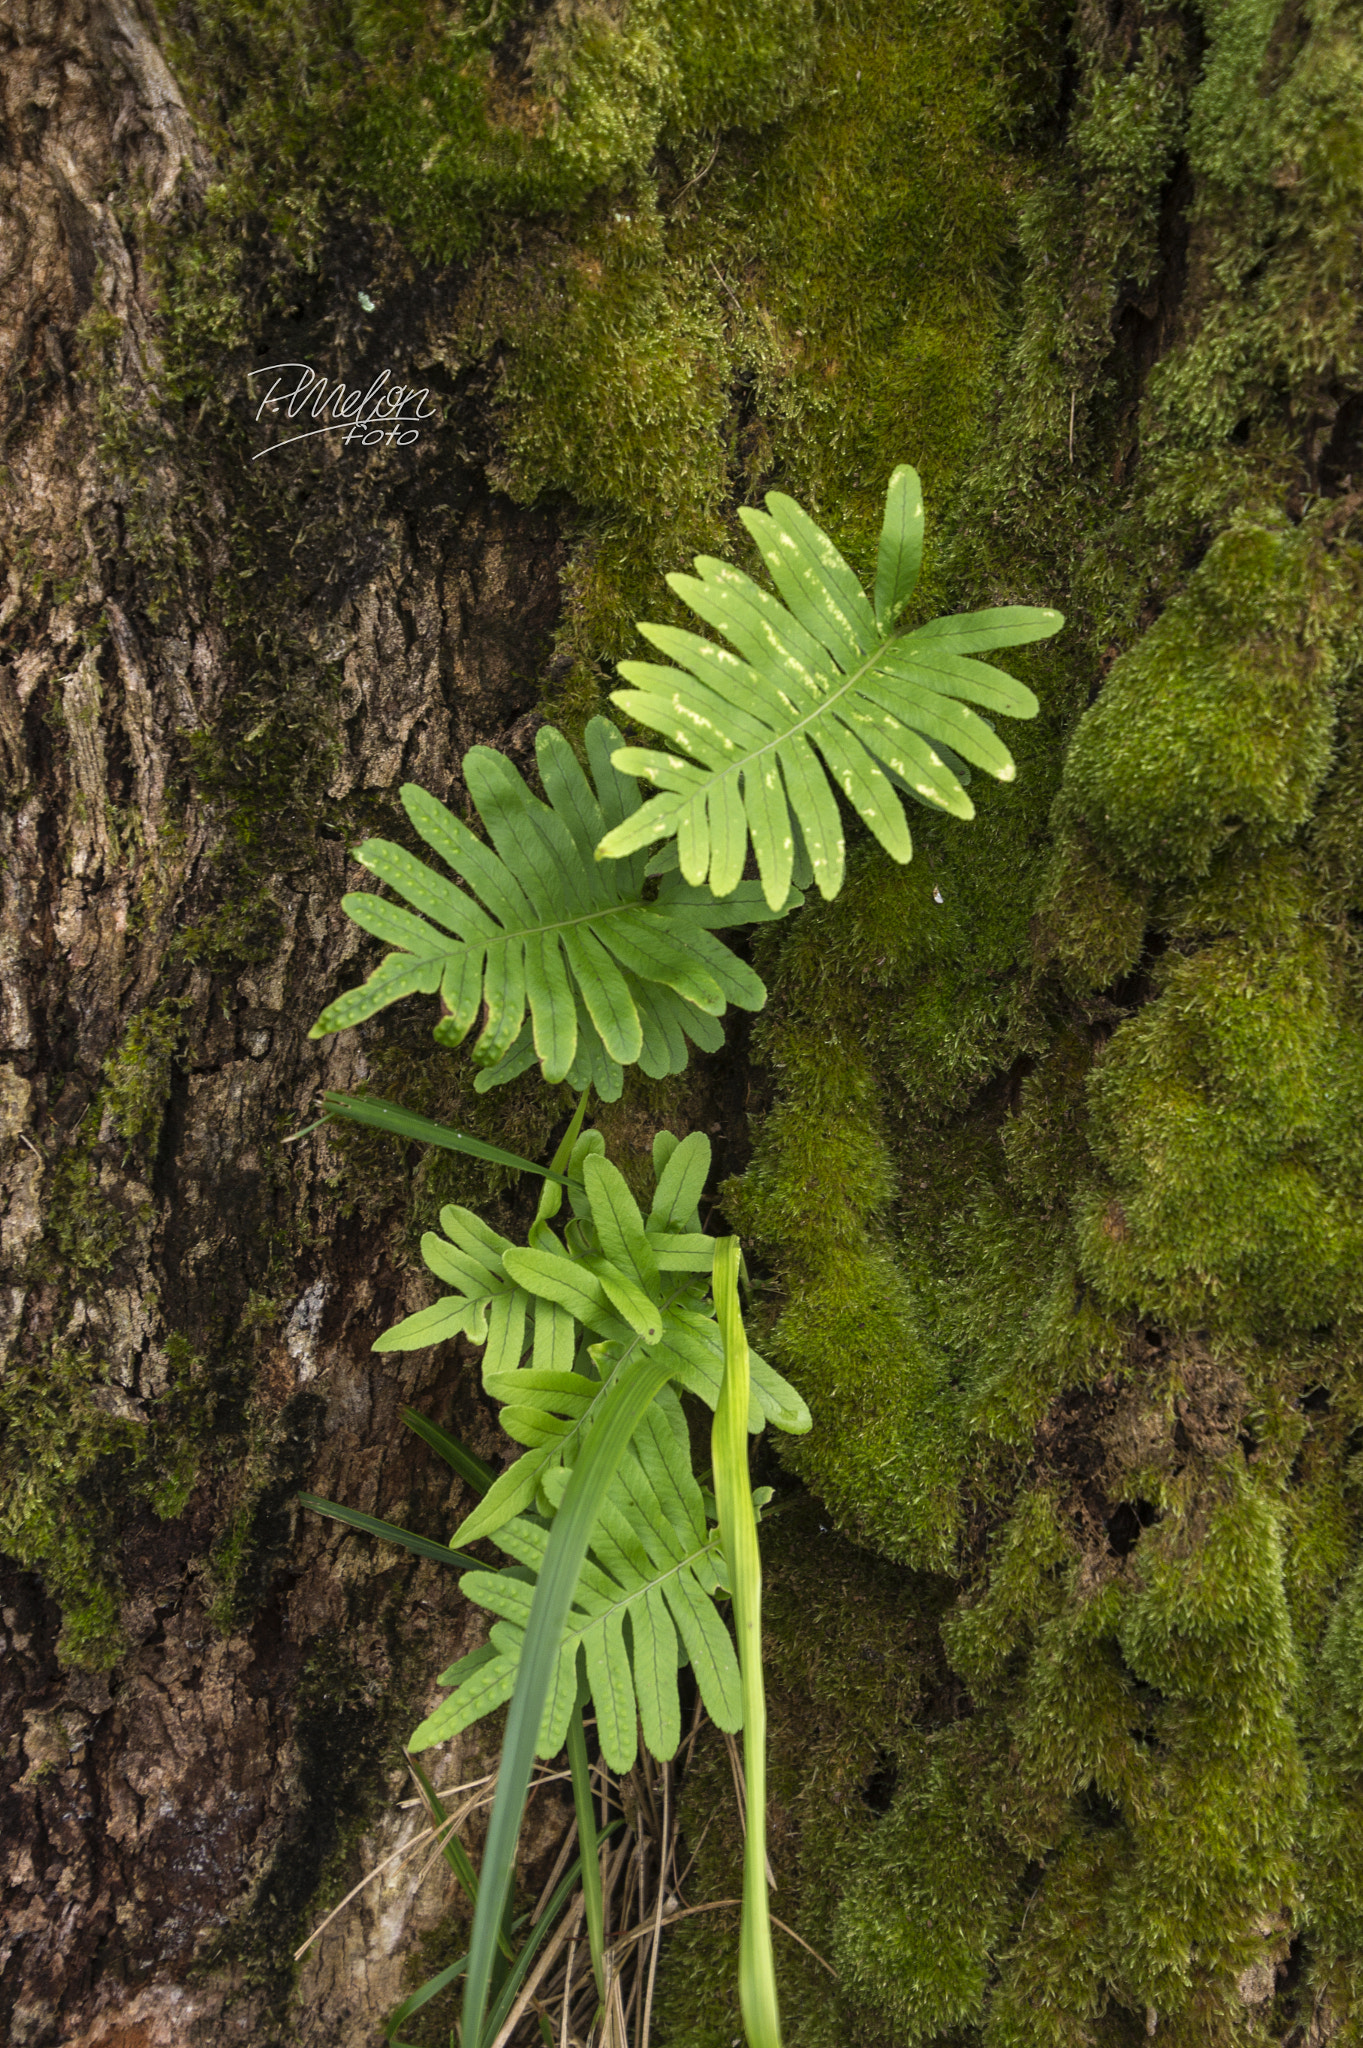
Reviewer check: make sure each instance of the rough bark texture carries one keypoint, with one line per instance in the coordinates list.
(232, 1749)
(1053, 1187)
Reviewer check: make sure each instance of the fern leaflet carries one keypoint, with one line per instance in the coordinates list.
(563, 1321)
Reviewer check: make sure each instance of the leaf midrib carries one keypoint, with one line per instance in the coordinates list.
(802, 724)
(645, 1586)
(509, 933)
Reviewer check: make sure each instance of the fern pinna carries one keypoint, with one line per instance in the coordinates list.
(618, 1288)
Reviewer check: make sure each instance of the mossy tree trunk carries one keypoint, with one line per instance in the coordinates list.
(215, 673)
(1054, 1187)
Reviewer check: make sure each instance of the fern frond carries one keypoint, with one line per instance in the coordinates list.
(644, 1601)
(561, 1320)
(812, 695)
(608, 976)
(631, 1278)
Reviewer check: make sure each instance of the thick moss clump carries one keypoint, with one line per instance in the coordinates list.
(1218, 721)
(470, 118)
(1103, 1099)
(1229, 1115)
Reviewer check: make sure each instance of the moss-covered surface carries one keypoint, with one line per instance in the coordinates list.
(1060, 1187)
(1057, 1197)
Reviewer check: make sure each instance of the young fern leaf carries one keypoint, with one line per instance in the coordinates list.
(609, 978)
(583, 1309)
(812, 694)
(615, 1565)
(646, 1587)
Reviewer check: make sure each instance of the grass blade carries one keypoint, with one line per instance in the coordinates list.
(429, 1990)
(471, 1469)
(370, 1525)
(586, 1833)
(623, 1405)
(738, 1528)
(451, 1848)
(496, 2019)
(381, 1115)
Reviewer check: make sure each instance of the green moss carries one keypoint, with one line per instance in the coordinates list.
(1227, 1116)
(1217, 722)
(1149, 1773)
(1091, 923)
(1336, 832)
(56, 1437)
(452, 131)
(1334, 1837)
(86, 1228)
(447, 126)
(616, 389)
(138, 1073)
(928, 1901)
(1114, 1096)
(1341, 1675)
(881, 1450)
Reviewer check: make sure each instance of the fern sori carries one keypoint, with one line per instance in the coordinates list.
(562, 1320)
(814, 693)
(610, 975)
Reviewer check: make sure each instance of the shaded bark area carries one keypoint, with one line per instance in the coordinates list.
(214, 673)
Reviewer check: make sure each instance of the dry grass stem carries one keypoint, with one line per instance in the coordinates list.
(567, 1994)
(560, 1865)
(438, 1833)
(540, 1971)
(641, 1899)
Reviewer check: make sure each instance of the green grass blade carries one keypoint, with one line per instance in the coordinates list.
(429, 1990)
(369, 1525)
(506, 1997)
(738, 1528)
(451, 1848)
(624, 1403)
(470, 1469)
(381, 1115)
(585, 1808)
(515, 1976)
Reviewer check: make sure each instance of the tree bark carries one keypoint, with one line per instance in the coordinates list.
(1052, 1204)
(189, 1307)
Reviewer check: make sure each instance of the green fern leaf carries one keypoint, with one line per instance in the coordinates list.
(562, 956)
(645, 1597)
(581, 1305)
(901, 546)
(810, 696)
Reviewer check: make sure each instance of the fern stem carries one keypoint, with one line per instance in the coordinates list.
(738, 1526)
